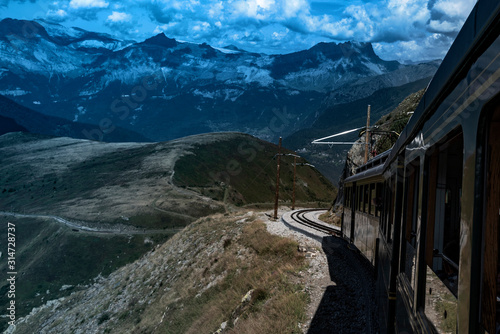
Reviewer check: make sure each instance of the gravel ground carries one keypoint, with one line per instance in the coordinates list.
(339, 280)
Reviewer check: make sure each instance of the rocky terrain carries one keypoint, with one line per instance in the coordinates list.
(394, 122)
(337, 118)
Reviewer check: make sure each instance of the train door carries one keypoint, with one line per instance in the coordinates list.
(490, 305)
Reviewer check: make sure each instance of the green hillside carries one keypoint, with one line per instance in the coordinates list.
(243, 171)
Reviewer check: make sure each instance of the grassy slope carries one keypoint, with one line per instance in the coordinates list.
(192, 284)
(243, 171)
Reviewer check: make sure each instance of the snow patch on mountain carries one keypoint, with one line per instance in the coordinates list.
(375, 68)
(205, 94)
(255, 74)
(129, 75)
(226, 51)
(232, 94)
(95, 44)
(54, 29)
(225, 94)
(81, 111)
(14, 92)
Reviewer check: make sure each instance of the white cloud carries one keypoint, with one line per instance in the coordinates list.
(292, 8)
(255, 9)
(444, 26)
(119, 17)
(164, 28)
(76, 4)
(428, 48)
(57, 15)
(280, 35)
(201, 26)
(459, 9)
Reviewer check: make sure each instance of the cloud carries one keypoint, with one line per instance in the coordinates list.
(428, 48)
(454, 9)
(123, 24)
(447, 17)
(280, 25)
(76, 4)
(119, 17)
(58, 15)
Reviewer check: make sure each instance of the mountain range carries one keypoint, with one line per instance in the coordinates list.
(163, 89)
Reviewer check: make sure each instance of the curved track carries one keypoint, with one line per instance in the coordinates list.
(300, 217)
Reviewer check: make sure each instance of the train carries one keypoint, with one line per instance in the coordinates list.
(426, 213)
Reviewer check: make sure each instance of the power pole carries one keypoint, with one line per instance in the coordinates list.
(277, 183)
(294, 173)
(367, 134)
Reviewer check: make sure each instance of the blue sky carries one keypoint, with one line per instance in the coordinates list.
(405, 30)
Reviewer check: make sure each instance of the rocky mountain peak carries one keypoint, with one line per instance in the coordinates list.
(161, 40)
(346, 50)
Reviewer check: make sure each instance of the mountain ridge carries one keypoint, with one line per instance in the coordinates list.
(166, 89)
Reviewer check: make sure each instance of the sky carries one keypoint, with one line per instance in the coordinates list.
(403, 30)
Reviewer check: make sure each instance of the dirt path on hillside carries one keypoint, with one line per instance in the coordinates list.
(78, 226)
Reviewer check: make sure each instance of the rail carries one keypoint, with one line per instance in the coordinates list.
(299, 217)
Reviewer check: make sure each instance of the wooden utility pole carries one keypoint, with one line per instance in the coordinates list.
(277, 183)
(367, 134)
(294, 173)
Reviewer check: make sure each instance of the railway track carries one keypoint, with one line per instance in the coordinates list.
(300, 217)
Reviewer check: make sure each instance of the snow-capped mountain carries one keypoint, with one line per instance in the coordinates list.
(164, 89)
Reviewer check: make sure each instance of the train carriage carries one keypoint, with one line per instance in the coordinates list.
(426, 214)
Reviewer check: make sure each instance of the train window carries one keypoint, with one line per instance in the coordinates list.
(361, 201)
(386, 214)
(378, 199)
(351, 197)
(366, 198)
(443, 213)
(373, 199)
(442, 252)
(410, 214)
(347, 198)
(391, 204)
